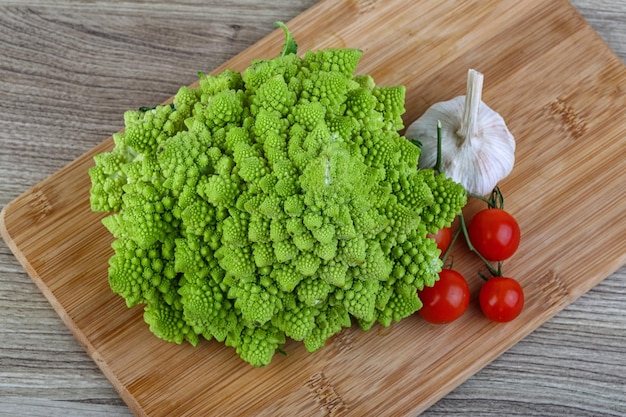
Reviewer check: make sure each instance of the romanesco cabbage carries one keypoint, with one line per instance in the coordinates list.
(277, 202)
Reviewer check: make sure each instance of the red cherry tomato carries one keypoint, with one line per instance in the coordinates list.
(494, 233)
(501, 299)
(447, 300)
(443, 239)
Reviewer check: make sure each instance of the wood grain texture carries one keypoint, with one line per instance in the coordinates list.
(60, 99)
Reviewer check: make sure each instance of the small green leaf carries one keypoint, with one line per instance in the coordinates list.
(290, 46)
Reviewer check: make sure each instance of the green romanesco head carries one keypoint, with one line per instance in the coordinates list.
(276, 202)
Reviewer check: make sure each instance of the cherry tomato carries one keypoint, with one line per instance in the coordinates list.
(447, 300)
(443, 238)
(501, 299)
(494, 233)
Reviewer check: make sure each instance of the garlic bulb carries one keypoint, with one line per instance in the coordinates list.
(477, 148)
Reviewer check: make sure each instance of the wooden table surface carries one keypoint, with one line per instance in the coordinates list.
(68, 70)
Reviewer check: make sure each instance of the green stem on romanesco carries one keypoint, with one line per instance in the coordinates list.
(290, 46)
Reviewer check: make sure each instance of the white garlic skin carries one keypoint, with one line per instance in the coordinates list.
(478, 162)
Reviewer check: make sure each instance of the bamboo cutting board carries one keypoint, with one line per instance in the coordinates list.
(561, 91)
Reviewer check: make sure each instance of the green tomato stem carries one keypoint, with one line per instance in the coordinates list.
(454, 238)
(480, 197)
(493, 271)
(495, 199)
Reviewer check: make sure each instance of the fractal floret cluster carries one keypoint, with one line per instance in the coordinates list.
(277, 202)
